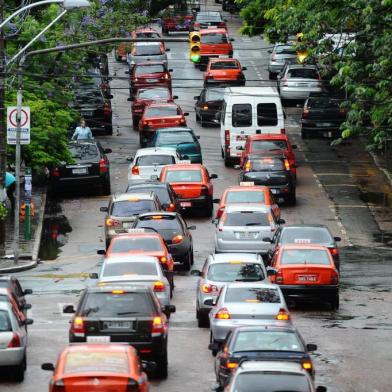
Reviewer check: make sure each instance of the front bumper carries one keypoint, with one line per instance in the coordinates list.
(323, 292)
(12, 356)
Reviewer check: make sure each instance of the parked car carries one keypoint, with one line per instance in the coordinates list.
(147, 51)
(224, 71)
(209, 105)
(208, 19)
(280, 54)
(89, 167)
(13, 286)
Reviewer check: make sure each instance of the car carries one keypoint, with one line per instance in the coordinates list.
(174, 231)
(192, 185)
(13, 338)
(224, 71)
(231, 6)
(88, 167)
(297, 81)
(273, 171)
(208, 19)
(135, 269)
(308, 234)
(123, 209)
(183, 139)
(146, 96)
(247, 193)
(220, 269)
(209, 105)
(151, 74)
(246, 303)
(177, 18)
(145, 32)
(148, 162)
(147, 51)
(159, 115)
(164, 192)
(123, 314)
(276, 375)
(307, 272)
(12, 284)
(244, 228)
(322, 116)
(6, 296)
(280, 54)
(91, 367)
(267, 342)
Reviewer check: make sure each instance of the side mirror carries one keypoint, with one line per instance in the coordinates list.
(28, 321)
(210, 302)
(311, 347)
(232, 39)
(149, 367)
(337, 239)
(129, 99)
(185, 157)
(170, 70)
(107, 150)
(130, 159)
(169, 309)
(237, 166)
(216, 201)
(197, 137)
(27, 306)
(281, 221)
(68, 309)
(103, 209)
(294, 146)
(267, 239)
(110, 96)
(278, 77)
(175, 96)
(191, 227)
(196, 97)
(167, 49)
(126, 72)
(27, 292)
(269, 50)
(195, 273)
(244, 68)
(213, 347)
(213, 176)
(93, 275)
(271, 271)
(186, 114)
(48, 366)
(101, 252)
(321, 388)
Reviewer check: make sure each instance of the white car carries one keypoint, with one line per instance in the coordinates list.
(148, 162)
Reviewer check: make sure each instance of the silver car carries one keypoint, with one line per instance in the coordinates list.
(297, 81)
(242, 228)
(220, 269)
(13, 341)
(146, 51)
(144, 270)
(246, 304)
(280, 54)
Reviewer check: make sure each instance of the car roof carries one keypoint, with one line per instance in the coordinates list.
(146, 64)
(131, 258)
(304, 246)
(149, 183)
(269, 136)
(239, 188)
(5, 306)
(155, 151)
(213, 31)
(258, 91)
(174, 129)
(273, 366)
(261, 285)
(183, 166)
(137, 233)
(223, 60)
(126, 196)
(266, 155)
(305, 225)
(163, 104)
(227, 257)
(290, 65)
(89, 347)
(264, 328)
(247, 207)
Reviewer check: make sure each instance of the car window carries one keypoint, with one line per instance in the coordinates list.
(268, 145)
(183, 176)
(267, 164)
(283, 49)
(323, 103)
(247, 218)
(163, 111)
(242, 115)
(231, 272)
(154, 93)
(4, 283)
(155, 160)
(83, 152)
(161, 192)
(149, 69)
(252, 294)
(305, 256)
(306, 73)
(310, 235)
(160, 224)
(224, 65)
(214, 94)
(5, 322)
(267, 340)
(214, 38)
(130, 208)
(170, 138)
(245, 197)
(146, 244)
(146, 50)
(133, 268)
(267, 114)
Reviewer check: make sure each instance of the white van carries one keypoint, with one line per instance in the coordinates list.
(248, 111)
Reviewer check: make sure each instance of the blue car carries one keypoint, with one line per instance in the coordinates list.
(181, 138)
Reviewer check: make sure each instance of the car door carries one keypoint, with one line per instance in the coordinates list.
(18, 293)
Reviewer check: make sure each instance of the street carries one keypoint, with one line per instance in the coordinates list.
(354, 342)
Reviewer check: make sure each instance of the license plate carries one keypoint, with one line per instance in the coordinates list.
(241, 137)
(87, 113)
(302, 84)
(152, 80)
(117, 325)
(307, 278)
(247, 235)
(98, 339)
(79, 171)
(185, 204)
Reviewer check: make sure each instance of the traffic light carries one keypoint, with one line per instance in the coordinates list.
(194, 46)
(302, 52)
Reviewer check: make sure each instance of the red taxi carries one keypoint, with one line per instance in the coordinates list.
(227, 71)
(159, 115)
(145, 32)
(192, 185)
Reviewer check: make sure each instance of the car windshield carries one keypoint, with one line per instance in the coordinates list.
(144, 244)
(163, 111)
(215, 94)
(127, 208)
(268, 145)
(147, 50)
(214, 38)
(267, 164)
(250, 381)
(161, 192)
(246, 218)
(155, 160)
(267, 340)
(133, 268)
(5, 323)
(323, 103)
(305, 73)
(84, 152)
(305, 256)
(252, 294)
(283, 49)
(164, 223)
(154, 93)
(149, 69)
(119, 304)
(235, 271)
(245, 197)
(224, 65)
(309, 235)
(213, 17)
(183, 176)
(171, 138)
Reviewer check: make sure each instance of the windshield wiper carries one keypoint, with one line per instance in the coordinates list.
(252, 224)
(124, 313)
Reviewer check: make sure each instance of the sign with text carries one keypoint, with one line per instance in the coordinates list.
(24, 125)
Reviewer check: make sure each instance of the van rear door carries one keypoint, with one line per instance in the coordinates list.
(269, 116)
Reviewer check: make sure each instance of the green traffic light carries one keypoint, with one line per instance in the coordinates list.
(195, 58)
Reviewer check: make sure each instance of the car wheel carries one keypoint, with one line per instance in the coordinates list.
(117, 57)
(271, 76)
(335, 302)
(19, 370)
(109, 129)
(209, 209)
(192, 257)
(141, 141)
(202, 122)
(187, 262)
(135, 122)
(107, 244)
(106, 191)
(203, 320)
(228, 162)
(162, 368)
(212, 340)
(291, 199)
(304, 134)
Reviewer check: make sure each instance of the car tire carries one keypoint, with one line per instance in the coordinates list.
(116, 57)
(109, 129)
(135, 122)
(141, 142)
(271, 76)
(228, 161)
(106, 189)
(212, 340)
(202, 122)
(304, 134)
(107, 244)
(335, 302)
(203, 320)
(209, 209)
(19, 370)
(291, 199)
(187, 264)
(162, 365)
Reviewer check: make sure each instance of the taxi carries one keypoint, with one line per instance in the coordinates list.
(306, 271)
(245, 193)
(224, 71)
(192, 185)
(159, 115)
(97, 367)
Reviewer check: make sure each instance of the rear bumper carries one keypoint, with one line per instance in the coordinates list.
(64, 182)
(294, 93)
(12, 356)
(197, 202)
(231, 82)
(321, 128)
(326, 292)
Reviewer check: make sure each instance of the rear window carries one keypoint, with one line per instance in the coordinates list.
(224, 65)
(267, 164)
(155, 160)
(268, 145)
(164, 111)
(242, 115)
(235, 271)
(144, 34)
(160, 224)
(129, 208)
(154, 93)
(323, 103)
(267, 114)
(305, 256)
(311, 235)
(84, 152)
(214, 94)
(5, 323)
(183, 176)
(131, 268)
(161, 192)
(306, 73)
(146, 50)
(147, 244)
(149, 69)
(285, 50)
(170, 138)
(245, 197)
(252, 294)
(214, 38)
(107, 304)
(246, 219)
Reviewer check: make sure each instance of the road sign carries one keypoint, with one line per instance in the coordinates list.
(24, 125)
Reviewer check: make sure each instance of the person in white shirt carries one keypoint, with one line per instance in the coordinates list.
(82, 132)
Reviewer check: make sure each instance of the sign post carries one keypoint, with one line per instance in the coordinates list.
(12, 125)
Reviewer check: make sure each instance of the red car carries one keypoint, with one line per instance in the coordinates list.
(226, 71)
(159, 115)
(145, 97)
(149, 74)
(267, 143)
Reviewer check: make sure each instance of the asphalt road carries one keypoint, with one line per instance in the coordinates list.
(354, 342)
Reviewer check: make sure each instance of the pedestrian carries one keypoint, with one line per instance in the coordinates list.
(82, 132)
(10, 186)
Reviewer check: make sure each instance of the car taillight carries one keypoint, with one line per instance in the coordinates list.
(78, 327)
(334, 251)
(204, 190)
(248, 166)
(279, 277)
(112, 222)
(334, 278)
(163, 259)
(135, 170)
(286, 164)
(273, 56)
(58, 386)
(227, 138)
(282, 131)
(223, 314)
(171, 207)
(15, 341)
(55, 172)
(158, 326)
(107, 110)
(283, 315)
(103, 166)
(285, 83)
(166, 76)
(305, 113)
(177, 239)
(159, 287)
(182, 120)
(231, 365)
(205, 107)
(343, 112)
(208, 288)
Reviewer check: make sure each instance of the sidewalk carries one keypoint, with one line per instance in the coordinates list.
(28, 249)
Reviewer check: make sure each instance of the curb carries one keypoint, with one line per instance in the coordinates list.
(385, 171)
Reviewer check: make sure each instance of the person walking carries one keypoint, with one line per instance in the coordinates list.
(82, 132)
(10, 186)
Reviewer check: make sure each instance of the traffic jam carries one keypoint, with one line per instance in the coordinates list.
(260, 269)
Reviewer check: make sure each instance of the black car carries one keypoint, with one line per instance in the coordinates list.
(209, 105)
(174, 232)
(230, 6)
(308, 234)
(123, 314)
(269, 343)
(163, 191)
(322, 116)
(208, 19)
(12, 284)
(272, 171)
(89, 167)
